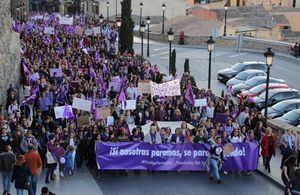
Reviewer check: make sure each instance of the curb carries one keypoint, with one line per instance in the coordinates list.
(271, 179)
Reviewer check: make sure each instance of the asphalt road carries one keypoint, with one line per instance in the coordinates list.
(185, 183)
(283, 67)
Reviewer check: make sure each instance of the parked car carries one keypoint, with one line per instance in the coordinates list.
(245, 75)
(256, 90)
(253, 82)
(275, 96)
(292, 117)
(282, 107)
(225, 74)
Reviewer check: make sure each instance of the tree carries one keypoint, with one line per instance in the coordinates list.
(172, 68)
(126, 30)
(187, 65)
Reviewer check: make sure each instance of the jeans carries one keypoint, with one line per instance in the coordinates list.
(214, 169)
(50, 171)
(20, 191)
(32, 187)
(6, 177)
(267, 162)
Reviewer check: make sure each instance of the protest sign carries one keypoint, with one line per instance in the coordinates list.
(129, 105)
(82, 104)
(35, 76)
(66, 21)
(88, 32)
(78, 30)
(58, 71)
(171, 157)
(96, 30)
(104, 112)
(49, 30)
(115, 79)
(200, 102)
(144, 87)
(171, 88)
(83, 121)
(110, 120)
(116, 85)
(102, 102)
(59, 111)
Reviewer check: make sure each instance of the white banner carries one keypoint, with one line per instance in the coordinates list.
(97, 30)
(82, 104)
(171, 88)
(129, 105)
(88, 32)
(200, 102)
(66, 21)
(49, 30)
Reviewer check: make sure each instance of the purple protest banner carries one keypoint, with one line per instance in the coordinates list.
(221, 117)
(58, 71)
(162, 157)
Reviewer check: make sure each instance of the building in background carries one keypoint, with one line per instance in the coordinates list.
(19, 9)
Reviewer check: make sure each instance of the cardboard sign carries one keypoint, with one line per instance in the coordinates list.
(49, 30)
(88, 32)
(97, 30)
(144, 87)
(57, 70)
(200, 102)
(59, 111)
(83, 121)
(104, 112)
(82, 104)
(78, 30)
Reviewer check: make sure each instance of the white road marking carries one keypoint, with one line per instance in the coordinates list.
(159, 54)
(161, 48)
(238, 54)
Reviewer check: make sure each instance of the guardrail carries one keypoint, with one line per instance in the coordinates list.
(238, 42)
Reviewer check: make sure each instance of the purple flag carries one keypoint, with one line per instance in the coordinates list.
(30, 99)
(189, 95)
(92, 72)
(68, 113)
(25, 69)
(122, 96)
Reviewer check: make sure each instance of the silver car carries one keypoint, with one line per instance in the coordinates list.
(245, 75)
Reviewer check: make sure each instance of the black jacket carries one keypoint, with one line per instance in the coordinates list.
(20, 176)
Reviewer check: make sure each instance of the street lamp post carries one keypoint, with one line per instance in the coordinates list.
(107, 11)
(118, 20)
(225, 22)
(94, 9)
(101, 18)
(141, 12)
(163, 22)
(210, 48)
(269, 54)
(116, 8)
(170, 39)
(142, 30)
(82, 8)
(18, 12)
(148, 20)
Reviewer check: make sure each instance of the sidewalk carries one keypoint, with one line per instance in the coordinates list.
(275, 175)
(81, 183)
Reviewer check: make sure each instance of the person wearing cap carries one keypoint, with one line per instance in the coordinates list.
(215, 159)
(7, 160)
(28, 139)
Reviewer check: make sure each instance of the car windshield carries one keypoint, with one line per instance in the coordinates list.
(242, 76)
(257, 89)
(238, 67)
(291, 116)
(280, 106)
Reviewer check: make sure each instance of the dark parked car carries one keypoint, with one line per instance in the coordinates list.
(256, 90)
(225, 74)
(292, 117)
(275, 96)
(253, 82)
(245, 75)
(283, 107)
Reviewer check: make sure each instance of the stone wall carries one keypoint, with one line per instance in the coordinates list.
(9, 51)
(247, 43)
